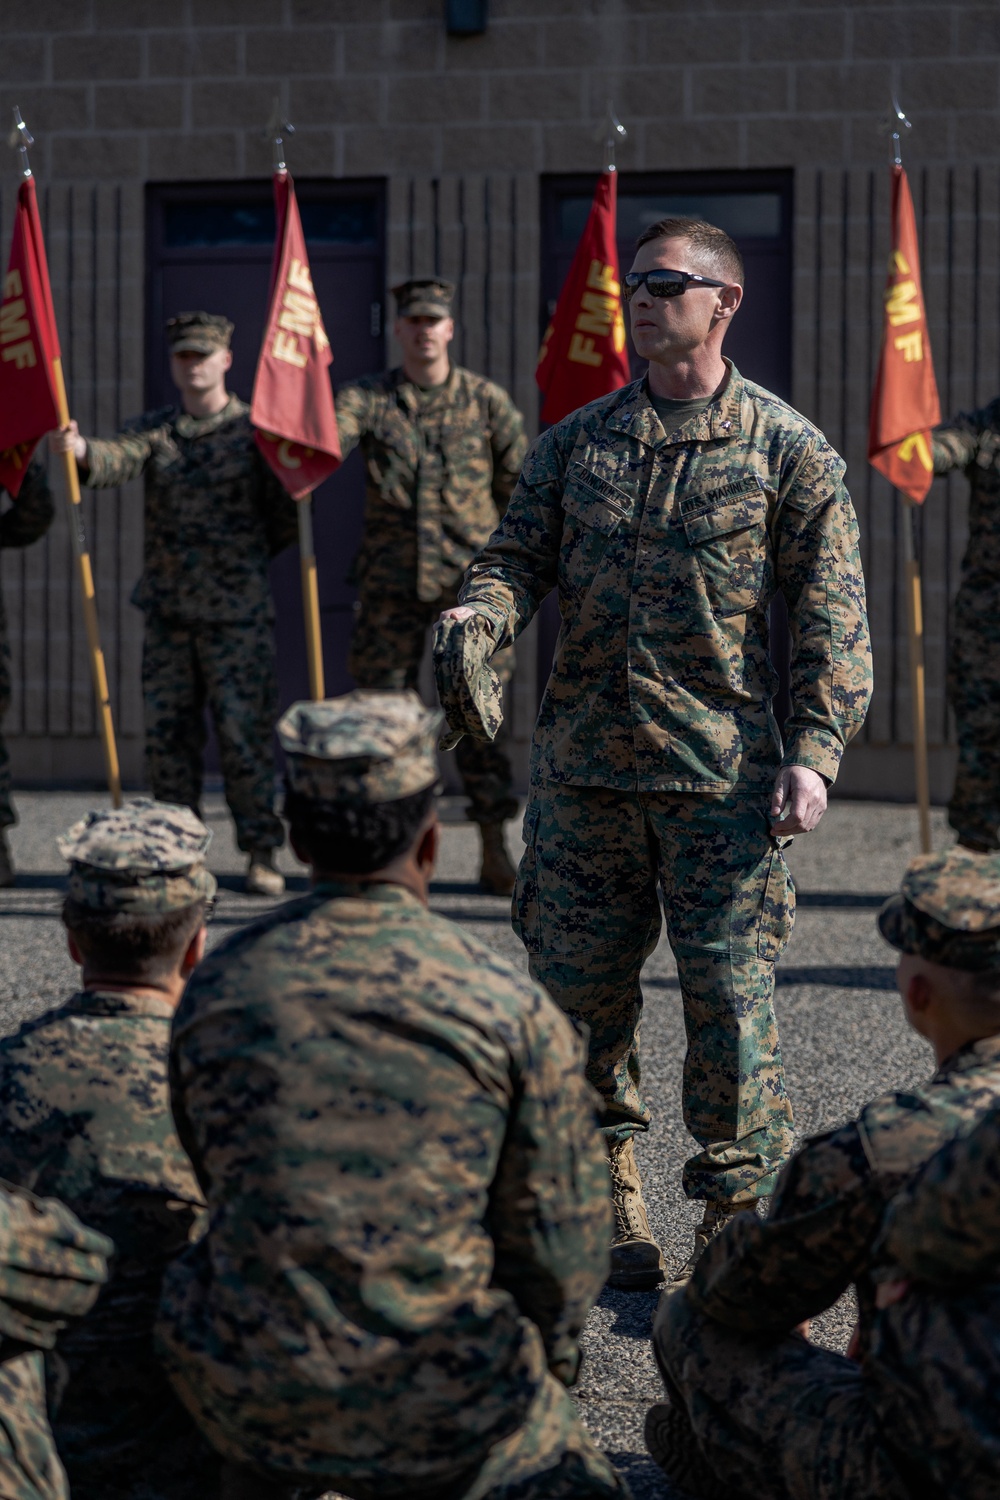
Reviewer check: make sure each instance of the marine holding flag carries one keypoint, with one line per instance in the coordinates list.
(443, 449)
(215, 515)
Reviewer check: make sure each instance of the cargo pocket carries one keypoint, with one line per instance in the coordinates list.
(729, 541)
(524, 911)
(778, 911)
(593, 510)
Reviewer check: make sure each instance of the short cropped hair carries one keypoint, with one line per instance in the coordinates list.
(351, 838)
(713, 248)
(134, 945)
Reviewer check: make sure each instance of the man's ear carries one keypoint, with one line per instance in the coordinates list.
(229, 359)
(427, 848)
(919, 993)
(74, 949)
(194, 952)
(730, 298)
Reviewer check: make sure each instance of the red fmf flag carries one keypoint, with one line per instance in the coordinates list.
(905, 402)
(292, 406)
(583, 354)
(28, 344)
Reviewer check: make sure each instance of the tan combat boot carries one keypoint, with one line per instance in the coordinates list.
(671, 1443)
(6, 863)
(636, 1258)
(497, 874)
(715, 1218)
(262, 877)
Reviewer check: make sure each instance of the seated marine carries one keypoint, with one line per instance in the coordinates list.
(409, 1203)
(85, 1117)
(756, 1409)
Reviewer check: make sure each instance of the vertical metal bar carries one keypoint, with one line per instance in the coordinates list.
(412, 211)
(487, 281)
(95, 510)
(870, 366)
(818, 311)
(47, 588)
(119, 551)
(436, 202)
(463, 260)
(915, 630)
(949, 488)
(513, 285)
(70, 325)
(845, 205)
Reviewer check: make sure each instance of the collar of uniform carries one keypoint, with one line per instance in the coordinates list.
(408, 391)
(970, 1057)
(195, 427)
(120, 1003)
(636, 415)
(365, 890)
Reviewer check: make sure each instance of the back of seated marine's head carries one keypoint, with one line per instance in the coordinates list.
(138, 890)
(360, 782)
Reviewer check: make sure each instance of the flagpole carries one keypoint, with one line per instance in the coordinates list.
(914, 601)
(98, 672)
(277, 129)
(918, 693)
(310, 599)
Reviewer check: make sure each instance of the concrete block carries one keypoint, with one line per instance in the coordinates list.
(87, 156)
(84, 58)
(960, 85)
(144, 106)
(195, 54)
(739, 90)
(478, 148)
(337, 101)
(291, 50)
(423, 100)
(208, 154)
(230, 105)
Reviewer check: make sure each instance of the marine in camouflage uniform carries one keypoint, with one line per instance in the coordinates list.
(971, 442)
(51, 1270)
(441, 464)
(757, 1410)
(656, 749)
(215, 516)
(85, 1116)
(408, 1201)
(28, 517)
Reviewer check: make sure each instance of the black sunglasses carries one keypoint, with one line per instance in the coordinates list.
(664, 283)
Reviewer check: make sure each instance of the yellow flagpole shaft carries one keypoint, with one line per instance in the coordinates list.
(97, 669)
(915, 628)
(310, 600)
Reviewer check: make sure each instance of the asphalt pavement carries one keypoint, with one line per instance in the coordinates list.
(843, 1036)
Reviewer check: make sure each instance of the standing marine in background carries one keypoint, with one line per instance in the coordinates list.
(215, 517)
(971, 442)
(28, 518)
(443, 449)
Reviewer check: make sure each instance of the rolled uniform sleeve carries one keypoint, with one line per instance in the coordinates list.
(119, 460)
(767, 1275)
(549, 1213)
(944, 1228)
(519, 564)
(818, 565)
(955, 444)
(31, 513)
(508, 444)
(355, 406)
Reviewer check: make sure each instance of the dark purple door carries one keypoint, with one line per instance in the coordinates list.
(210, 247)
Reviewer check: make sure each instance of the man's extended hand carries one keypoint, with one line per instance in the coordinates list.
(798, 800)
(460, 612)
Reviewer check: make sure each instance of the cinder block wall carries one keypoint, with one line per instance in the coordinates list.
(123, 92)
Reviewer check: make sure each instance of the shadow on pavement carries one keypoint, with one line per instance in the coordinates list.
(633, 1311)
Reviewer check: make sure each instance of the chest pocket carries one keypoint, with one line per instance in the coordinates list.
(729, 540)
(594, 510)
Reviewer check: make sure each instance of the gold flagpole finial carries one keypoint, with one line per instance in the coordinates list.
(21, 138)
(277, 128)
(612, 133)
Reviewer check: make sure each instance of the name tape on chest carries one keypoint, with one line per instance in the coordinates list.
(709, 499)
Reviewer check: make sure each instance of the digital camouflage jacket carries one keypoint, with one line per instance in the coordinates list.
(27, 518)
(932, 1371)
(666, 556)
(408, 1198)
(441, 467)
(85, 1117)
(971, 442)
(215, 513)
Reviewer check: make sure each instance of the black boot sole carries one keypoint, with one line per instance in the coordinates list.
(635, 1281)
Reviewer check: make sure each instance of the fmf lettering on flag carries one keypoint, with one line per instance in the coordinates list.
(292, 406)
(583, 354)
(29, 343)
(905, 402)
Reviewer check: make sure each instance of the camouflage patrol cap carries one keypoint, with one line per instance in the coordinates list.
(145, 858)
(471, 693)
(430, 298)
(369, 746)
(948, 910)
(201, 332)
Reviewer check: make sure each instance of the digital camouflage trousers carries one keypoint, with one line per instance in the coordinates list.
(388, 645)
(231, 669)
(798, 1418)
(29, 1465)
(550, 1457)
(586, 909)
(974, 694)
